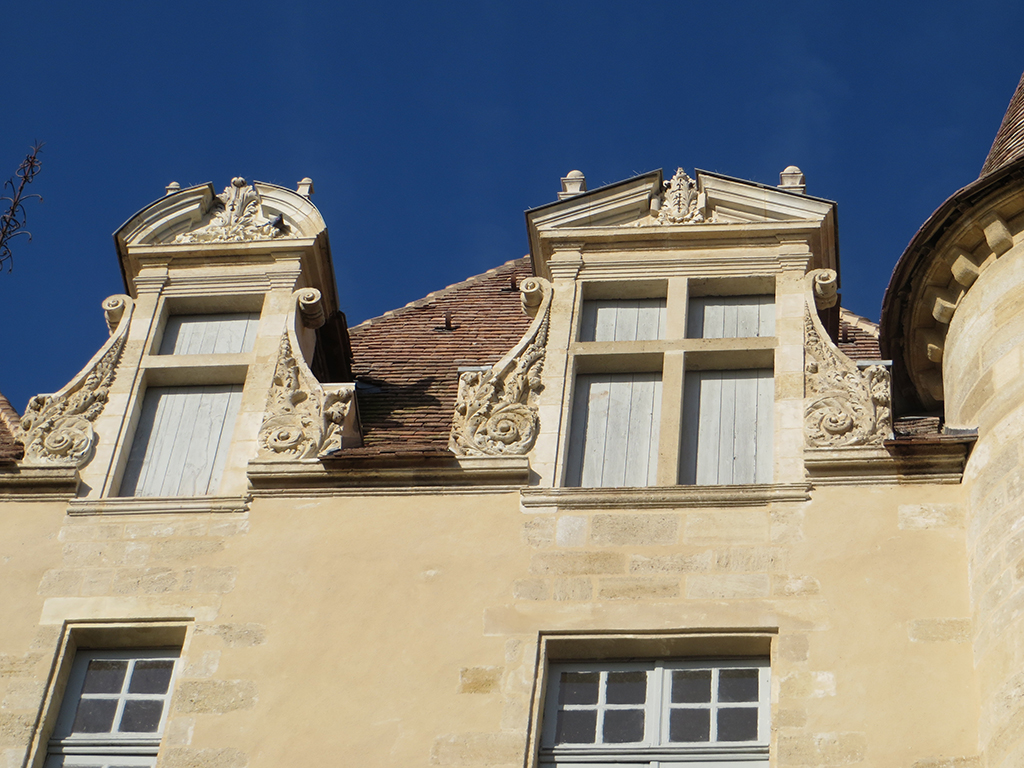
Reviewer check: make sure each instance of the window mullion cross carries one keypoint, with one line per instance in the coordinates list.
(714, 705)
(122, 698)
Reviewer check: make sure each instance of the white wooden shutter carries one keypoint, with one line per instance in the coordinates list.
(727, 427)
(182, 440)
(210, 334)
(613, 440)
(622, 320)
(730, 317)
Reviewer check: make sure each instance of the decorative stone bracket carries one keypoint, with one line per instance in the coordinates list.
(57, 429)
(844, 406)
(496, 411)
(304, 418)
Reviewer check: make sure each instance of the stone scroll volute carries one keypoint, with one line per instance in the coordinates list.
(496, 409)
(303, 418)
(57, 430)
(844, 406)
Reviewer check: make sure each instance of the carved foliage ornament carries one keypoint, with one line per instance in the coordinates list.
(496, 411)
(301, 420)
(844, 406)
(57, 429)
(238, 218)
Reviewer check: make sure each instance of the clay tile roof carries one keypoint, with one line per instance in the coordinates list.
(858, 337)
(1009, 141)
(406, 362)
(10, 449)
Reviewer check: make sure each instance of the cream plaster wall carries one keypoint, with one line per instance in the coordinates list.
(403, 630)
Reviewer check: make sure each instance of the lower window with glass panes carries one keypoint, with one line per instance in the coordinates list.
(114, 709)
(636, 713)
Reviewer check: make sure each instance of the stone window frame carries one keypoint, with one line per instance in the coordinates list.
(123, 637)
(673, 355)
(555, 648)
(158, 369)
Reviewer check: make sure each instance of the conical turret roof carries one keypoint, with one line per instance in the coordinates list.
(1009, 141)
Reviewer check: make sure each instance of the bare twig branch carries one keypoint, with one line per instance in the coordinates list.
(12, 220)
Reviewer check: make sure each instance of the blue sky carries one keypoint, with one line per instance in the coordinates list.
(429, 127)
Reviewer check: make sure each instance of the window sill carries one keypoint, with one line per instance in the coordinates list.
(148, 505)
(664, 497)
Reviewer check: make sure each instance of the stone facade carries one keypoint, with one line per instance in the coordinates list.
(395, 548)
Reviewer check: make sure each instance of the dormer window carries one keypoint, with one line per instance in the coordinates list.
(193, 392)
(675, 386)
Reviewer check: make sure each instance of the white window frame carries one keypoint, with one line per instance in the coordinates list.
(656, 748)
(113, 748)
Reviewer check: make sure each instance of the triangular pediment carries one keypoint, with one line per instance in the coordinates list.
(648, 200)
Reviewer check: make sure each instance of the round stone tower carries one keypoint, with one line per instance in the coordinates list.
(953, 323)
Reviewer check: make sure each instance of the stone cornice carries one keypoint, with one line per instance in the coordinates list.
(664, 497)
(444, 470)
(20, 483)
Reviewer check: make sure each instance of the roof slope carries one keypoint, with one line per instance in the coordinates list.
(10, 449)
(858, 337)
(1009, 142)
(406, 362)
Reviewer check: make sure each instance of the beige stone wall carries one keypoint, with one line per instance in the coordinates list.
(983, 374)
(403, 629)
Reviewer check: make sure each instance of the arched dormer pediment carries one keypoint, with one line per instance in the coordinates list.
(241, 225)
(241, 213)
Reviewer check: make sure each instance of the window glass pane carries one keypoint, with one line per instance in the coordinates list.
(691, 686)
(737, 724)
(725, 317)
(104, 676)
(151, 676)
(182, 440)
(141, 716)
(576, 726)
(209, 334)
(622, 726)
(578, 688)
(613, 440)
(622, 320)
(94, 716)
(737, 685)
(690, 725)
(626, 688)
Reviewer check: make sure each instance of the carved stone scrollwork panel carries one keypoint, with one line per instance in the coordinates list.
(495, 411)
(303, 419)
(238, 218)
(57, 429)
(844, 405)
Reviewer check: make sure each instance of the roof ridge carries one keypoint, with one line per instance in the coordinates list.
(435, 295)
(1008, 144)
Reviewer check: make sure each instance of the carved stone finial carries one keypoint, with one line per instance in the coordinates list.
(57, 429)
(844, 406)
(305, 187)
(238, 217)
(792, 179)
(680, 203)
(496, 411)
(171, 188)
(302, 419)
(573, 183)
